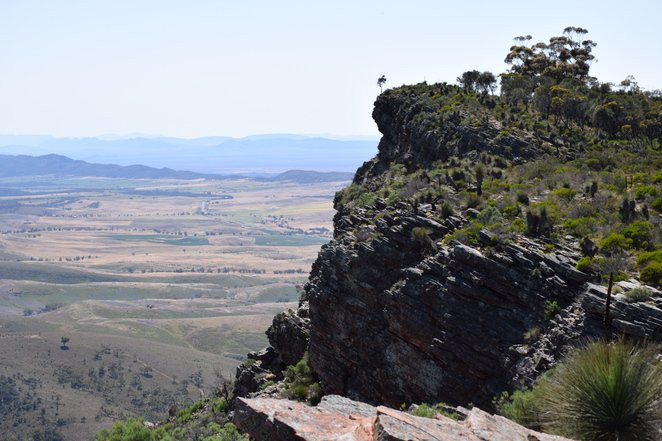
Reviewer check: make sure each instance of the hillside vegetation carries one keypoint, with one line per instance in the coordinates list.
(557, 156)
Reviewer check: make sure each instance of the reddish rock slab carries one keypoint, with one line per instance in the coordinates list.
(497, 428)
(341, 419)
(284, 420)
(392, 425)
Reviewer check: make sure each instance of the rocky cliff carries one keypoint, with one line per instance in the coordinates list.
(397, 311)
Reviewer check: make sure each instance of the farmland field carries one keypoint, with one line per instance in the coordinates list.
(161, 286)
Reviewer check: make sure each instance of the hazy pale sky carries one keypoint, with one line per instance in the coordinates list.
(213, 67)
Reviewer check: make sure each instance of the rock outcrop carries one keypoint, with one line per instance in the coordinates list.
(337, 418)
(390, 318)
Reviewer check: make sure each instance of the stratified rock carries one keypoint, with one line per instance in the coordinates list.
(391, 324)
(340, 419)
(289, 335)
(392, 316)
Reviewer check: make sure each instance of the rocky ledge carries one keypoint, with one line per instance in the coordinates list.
(337, 418)
(390, 320)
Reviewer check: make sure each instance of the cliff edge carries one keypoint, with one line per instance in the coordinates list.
(437, 286)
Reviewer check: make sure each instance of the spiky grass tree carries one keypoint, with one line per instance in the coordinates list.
(604, 392)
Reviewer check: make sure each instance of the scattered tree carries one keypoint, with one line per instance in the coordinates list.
(380, 82)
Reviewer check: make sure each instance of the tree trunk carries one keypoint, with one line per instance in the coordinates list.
(606, 320)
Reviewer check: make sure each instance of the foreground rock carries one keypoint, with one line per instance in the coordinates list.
(337, 418)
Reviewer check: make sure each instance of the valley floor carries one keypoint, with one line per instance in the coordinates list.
(161, 286)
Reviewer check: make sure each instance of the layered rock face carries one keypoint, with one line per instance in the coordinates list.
(338, 418)
(391, 319)
(416, 135)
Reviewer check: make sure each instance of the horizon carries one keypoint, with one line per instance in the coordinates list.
(129, 136)
(188, 70)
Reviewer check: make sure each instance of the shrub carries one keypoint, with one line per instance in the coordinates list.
(532, 334)
(472, 201)
(551, 309)
(430, 411)
(228, 433)
(615, 242)
(489, 215)
(131, 430)
(220, 405)
(523, 406)
(584, 264)
(657, 205)
(606, 391)
(639, 294)
(565, 193)
(593, 164)
(649, 256)
(511, 211)
(522, 198)
(639, 232)
(300, 382)
(366, 199)
(652, 274)
(582, 226)
(641, 192)
(420, 234)
(446, 209)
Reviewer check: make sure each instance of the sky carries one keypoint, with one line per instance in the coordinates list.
(192, 68)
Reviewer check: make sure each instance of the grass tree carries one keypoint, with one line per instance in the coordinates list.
(606, 391)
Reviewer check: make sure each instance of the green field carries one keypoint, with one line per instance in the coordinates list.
(160, 238)
(282, 240)
(52, 273)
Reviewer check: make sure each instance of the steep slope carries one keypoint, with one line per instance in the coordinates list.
(415, 300)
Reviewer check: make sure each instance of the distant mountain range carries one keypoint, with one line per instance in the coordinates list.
(51, 164)
(254, 155)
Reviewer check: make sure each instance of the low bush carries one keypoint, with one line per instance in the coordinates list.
(132, 429)
(639, 294)
(643, 191)
(431, 411)
(565, 193)
(522, 198)
(523, 406)
(657, 205)
(300, 382)
(551, 309)
(639, 232)
(228, 432)
(446, 210)
(420, 234)
(615, 242)
(649, 256)
(652, 274)
(584, 264)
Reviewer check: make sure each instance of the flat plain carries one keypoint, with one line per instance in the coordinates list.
(161, 286)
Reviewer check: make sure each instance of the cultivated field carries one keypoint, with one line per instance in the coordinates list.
(162, 287)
